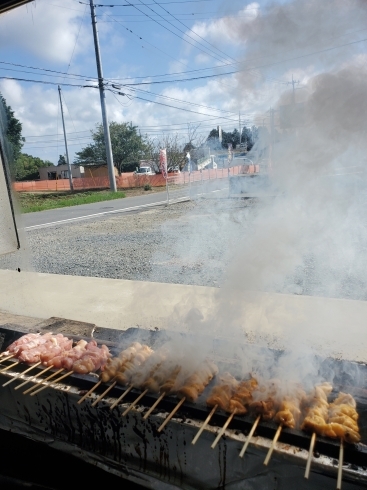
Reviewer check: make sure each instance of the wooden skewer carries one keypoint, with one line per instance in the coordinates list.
(310, 454)
(249, 437)
(5, 353)
(116, 402)
(43, 381)
(158, 400)
(104, 394)
(221, 432)
(33, 377)
(340, 468)
(8, 357)
(171, 414)
(134, 403)
(19, 374)
(89, 392)
(9, 367)
(207, 420)
(53, 383)
(272, 446)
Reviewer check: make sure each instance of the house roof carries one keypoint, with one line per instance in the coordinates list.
(6, 5)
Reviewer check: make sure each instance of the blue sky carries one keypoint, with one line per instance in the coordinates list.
(260, 44)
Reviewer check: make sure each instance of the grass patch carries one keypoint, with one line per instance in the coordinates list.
(30, 202)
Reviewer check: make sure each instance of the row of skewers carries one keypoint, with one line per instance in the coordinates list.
(140, 367)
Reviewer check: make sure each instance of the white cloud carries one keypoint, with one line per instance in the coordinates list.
(225, 29)
(49, 32)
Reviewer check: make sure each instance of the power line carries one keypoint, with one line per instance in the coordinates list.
(178, 20)
(46, 82)
(131, 5)
(249, 69)
(182, 101)
(167, 105)
(172, 32)
(214, 55)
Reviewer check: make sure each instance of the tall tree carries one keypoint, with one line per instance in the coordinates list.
(26, 167)
(14, 129)
(128, 147)
(61, 160)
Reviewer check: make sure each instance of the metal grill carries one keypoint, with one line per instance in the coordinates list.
(108, 425)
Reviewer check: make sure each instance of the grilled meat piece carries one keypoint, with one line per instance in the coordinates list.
(195, 384)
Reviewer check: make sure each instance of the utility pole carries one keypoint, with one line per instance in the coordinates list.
(271, 146)
(106, 129)
(66, 143)
(239, 125)
(293, 83)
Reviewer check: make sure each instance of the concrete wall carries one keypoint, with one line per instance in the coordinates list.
(334, 327)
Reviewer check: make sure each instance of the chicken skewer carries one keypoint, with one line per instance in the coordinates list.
(104, 393)
(221, 432)
(310, 455)
(192, 387)
(288, 415)
(249, 437)
(272, 446)
(43, 381)
(24, 372)
(340, 467)
(33, 378)
(53, 384)
(233, 397)
(113, 365)
(206, 422)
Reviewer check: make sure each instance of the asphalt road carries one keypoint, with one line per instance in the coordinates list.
(100, 209)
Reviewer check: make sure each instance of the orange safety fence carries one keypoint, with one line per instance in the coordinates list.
(131, 180)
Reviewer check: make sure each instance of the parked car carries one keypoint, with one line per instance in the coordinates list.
(144, 171)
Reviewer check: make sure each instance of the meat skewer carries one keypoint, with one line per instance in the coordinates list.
(134, 403)
(9, 367)
(249, 437)
(43, 381)
(19, 374)
(94, 387)
(206, 422)
(33, 378)
(155, 404)
(219, 397)
(340, 467)
(7, 357)
(192, 387)
(272, 446)
(221, 432)
(310, 454)
(116, 402)
(104, 393)
(163, 425)
(54, 382)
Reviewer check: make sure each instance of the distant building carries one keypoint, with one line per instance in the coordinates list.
(60, 172)
(93, 171)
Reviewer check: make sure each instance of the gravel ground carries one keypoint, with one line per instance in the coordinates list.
(201, 242)
(186, 243)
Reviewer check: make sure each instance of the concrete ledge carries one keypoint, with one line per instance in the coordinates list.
(335, 327)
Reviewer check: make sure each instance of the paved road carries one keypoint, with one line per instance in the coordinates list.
(100, 209)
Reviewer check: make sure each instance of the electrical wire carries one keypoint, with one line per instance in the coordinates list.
(172, 32)
(214, 55)
(196, 34)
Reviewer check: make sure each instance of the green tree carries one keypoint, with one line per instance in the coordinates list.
(14, 129)
(62, 160)
(26, 167)
(128, 147)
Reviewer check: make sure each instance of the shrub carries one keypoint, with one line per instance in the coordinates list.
(147, 187)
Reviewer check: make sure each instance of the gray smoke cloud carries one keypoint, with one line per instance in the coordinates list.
(309, 235)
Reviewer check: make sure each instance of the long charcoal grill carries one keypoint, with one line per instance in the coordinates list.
(133, 448)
